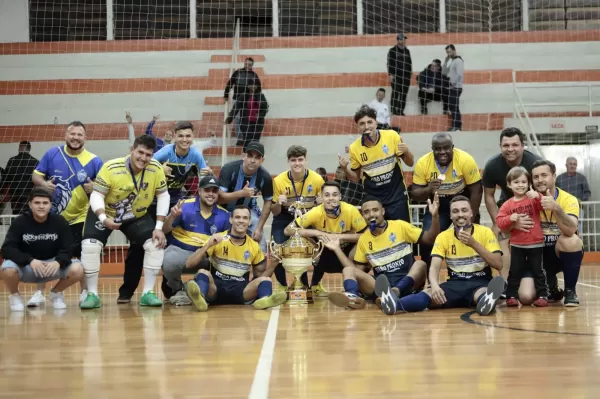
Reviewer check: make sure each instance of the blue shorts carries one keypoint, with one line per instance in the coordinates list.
(27, 275)
(229, 293)
(459, 293)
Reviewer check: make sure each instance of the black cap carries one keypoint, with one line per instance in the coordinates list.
(25, 142)
(401, 36)
(255, 146)
(208, 181)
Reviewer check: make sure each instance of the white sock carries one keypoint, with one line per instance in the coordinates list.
(149, 279)
(92, 282)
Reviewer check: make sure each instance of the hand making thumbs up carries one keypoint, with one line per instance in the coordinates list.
(548, 202)
(247, 191)
(88, 186)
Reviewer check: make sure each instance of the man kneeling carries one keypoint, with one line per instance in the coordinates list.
(37, 249)
(469, 250)
(231, 256)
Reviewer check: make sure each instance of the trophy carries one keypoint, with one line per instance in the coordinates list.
(297, 255)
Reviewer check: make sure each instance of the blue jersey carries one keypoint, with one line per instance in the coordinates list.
(191, 229)
(70, 173)
(182, 168)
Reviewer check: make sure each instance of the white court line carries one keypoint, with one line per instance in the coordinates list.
(262, 377)
(584, 284)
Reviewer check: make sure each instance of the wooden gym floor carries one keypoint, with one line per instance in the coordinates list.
(318, 351)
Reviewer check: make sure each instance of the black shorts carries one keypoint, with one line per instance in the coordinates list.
(459, 293)
(229, 293)
(278, 226)
(329, 262)
(77, 232)
(552, 263)
(397, 211)
(137, 231)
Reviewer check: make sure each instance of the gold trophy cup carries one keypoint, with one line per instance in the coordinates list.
(296, 256)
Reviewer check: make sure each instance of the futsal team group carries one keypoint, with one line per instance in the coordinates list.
(217, 233)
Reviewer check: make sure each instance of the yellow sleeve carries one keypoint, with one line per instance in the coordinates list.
(570, 206)
(410, 232)
(211, 250)
(360, 256)
(310, 219)
(358, 222)
(491, 241)
(420, 173)
(103, 182)
(396, 139)
(440, 247)
(259, 257)
(161, 180)
(470, 170)
(354, 163)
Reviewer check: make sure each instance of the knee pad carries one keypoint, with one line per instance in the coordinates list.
(91, 251)
(153, 256)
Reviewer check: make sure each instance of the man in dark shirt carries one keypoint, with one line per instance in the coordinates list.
(399, 66)
(433, 86)
(242, 182)
(38, 248)
(18, 177)
(241, 78)
(512, 153)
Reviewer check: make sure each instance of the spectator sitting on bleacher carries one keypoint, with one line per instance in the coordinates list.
(433, 86)
(160, 143)
(383, 113)
(251, 107)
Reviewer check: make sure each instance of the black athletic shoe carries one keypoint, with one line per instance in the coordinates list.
(122, 300)
(385, 293)
(556, 295)
(571, 299)
(487, 303)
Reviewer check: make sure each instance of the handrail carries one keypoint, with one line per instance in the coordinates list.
(531, 132)
(235, 49)
(585, 85)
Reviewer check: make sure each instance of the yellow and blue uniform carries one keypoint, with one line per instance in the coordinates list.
(390, 252)
(128, 197)
(467, 270)
(70, 173)
(230, 268)
(192, 228)
(381, 166)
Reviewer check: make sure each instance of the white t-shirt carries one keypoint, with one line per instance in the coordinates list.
(383, 112)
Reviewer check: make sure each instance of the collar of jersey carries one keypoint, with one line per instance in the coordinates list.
(472, 230)
(297, 181)
(199, 210)
(239, 238)
(387, 224)
(64, 150)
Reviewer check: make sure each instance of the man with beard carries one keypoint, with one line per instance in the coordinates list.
(386, 248)
(448, 172)
(136, 174)
(563, 250)
(469, 251)
(376, 160)
(68, 172)
(332, 219)
(232, 254)
(188, 227)
(242, 181)
(513, 153)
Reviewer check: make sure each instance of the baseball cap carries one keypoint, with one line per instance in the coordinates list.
(208, 182)
(401, 36)
(255, 146)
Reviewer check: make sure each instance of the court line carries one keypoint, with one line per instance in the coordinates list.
(584, 284)
(262, 377)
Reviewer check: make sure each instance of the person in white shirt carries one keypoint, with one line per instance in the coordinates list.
(383, 113)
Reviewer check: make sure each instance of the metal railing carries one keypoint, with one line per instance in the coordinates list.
(560, 105)
(520, 111)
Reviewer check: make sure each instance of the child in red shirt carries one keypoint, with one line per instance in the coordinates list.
(526, 248)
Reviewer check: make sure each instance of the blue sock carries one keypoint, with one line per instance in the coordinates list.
(280, 275)
(405, 284)
(571, 264)
(414, 302)
(304, 279)
(265, 288)
(317, 276)
(202, 281)
(351, 286)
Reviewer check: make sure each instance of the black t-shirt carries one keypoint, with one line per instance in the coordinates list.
(496, 169)
(232, 179)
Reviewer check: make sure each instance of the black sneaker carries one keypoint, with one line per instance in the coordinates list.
(122, 300)
(571, 299)
(487, 303)
(556, 295)
(387, 296)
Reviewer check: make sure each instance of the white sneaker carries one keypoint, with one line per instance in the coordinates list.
(16, 303)
(37, 299)
(58, 300)
(82, 296)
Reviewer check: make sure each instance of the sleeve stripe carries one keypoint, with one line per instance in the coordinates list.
(37, 172)
(437, 256)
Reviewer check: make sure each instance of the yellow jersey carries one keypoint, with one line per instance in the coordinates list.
(69, 174)
(231, 262)
(460, 173)
(381, 167)
(390, 252)
(569, 204)
(306, 190)
(464, 263)
(127, 197)
(349, 220)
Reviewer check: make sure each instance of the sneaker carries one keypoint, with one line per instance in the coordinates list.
(540, 303)
(37, 299)
(388, 297)
(16, 303)
(122, 300)
(556, 295)
(275, 299)
(318, 291)
(347, 300)
(193, 291)
(91, 301)
(487, 302)
(58, 300)
(150, 299)
(512, 302)
(82, 296)
(180, 299)
(571, 299)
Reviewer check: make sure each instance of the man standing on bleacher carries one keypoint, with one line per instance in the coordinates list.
(399, 67)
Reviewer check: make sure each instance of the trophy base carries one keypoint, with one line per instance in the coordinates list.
(298, 297)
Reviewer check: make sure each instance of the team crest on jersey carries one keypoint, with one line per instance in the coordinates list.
(82, 176)
(454, 174)
(246, 255)
(393, 238)
(310, 188)
(385, 149)
(342, 224)
(213, 229)
(144, 186)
